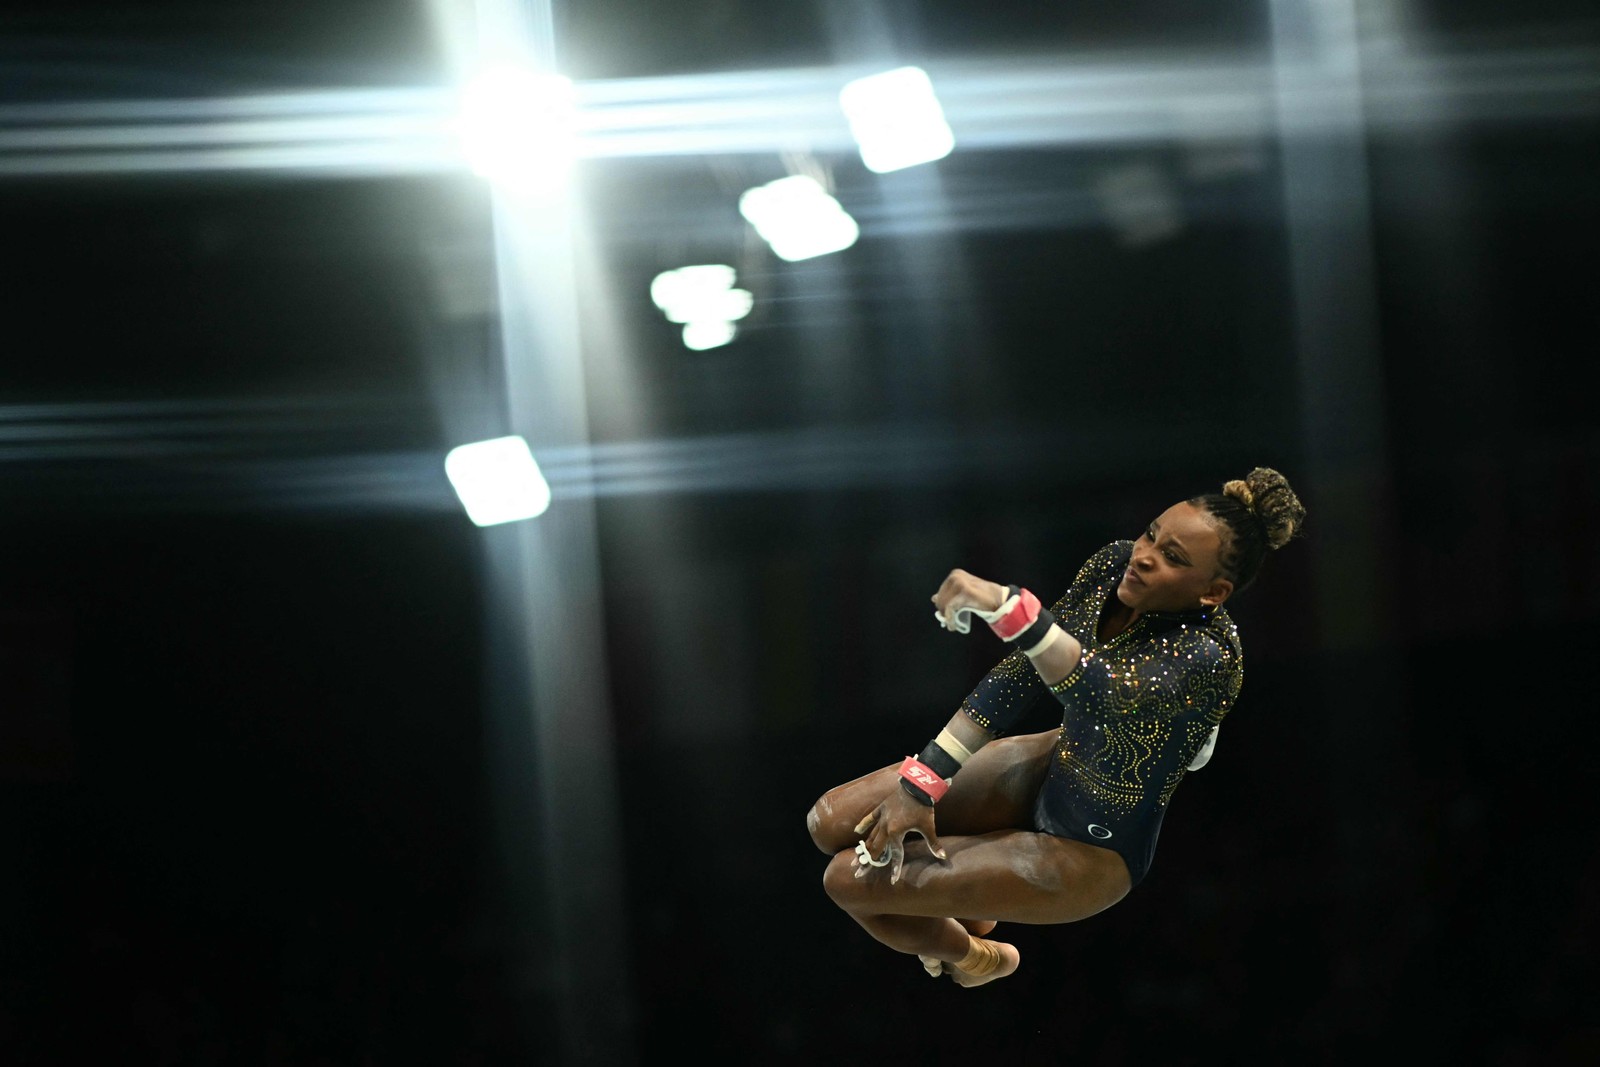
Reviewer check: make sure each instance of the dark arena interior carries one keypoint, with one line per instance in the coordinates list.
(301, 763)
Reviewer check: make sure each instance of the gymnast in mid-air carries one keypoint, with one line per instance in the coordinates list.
(1144, 662)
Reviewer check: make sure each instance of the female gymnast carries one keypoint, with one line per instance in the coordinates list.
(1057, 826)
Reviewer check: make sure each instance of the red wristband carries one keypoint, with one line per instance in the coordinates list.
(923, 777)
(1018, 618)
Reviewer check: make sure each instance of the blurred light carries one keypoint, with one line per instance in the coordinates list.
(798, 218)
(896, 119)
(700, 336)
(1061, 99)
(704, 299)
(518, 126)
(498, 481)
(694, 294)
(1141, 202)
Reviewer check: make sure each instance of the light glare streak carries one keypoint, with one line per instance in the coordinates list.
(189, 463)
(516, 126)
(988, 104)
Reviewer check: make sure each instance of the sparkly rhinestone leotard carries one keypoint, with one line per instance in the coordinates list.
(1136, 711)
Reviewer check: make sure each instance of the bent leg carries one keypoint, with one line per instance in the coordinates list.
(994, 791)
(1005, 876)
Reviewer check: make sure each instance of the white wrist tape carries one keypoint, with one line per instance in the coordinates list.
(955, 749)
(1045, 642)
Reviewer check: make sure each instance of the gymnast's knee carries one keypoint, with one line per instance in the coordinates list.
(839, 880)
(819, 824)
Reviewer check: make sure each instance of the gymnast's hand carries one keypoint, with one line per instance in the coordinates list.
(961, 591)
(886, 827)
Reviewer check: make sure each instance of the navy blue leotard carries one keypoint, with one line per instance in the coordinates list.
(1135, 712)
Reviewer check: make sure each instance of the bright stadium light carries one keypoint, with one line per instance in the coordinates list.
(498, 481)
(699, 336)
(517, 126)
(703, 298)
(896, 119)
(798, 218)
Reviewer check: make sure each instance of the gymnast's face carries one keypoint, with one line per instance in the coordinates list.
(1176, 564)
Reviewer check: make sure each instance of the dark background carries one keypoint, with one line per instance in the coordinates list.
(253, 801)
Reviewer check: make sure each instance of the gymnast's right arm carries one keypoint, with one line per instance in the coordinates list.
(1017, 617)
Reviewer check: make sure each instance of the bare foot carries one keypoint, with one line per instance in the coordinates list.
(976, 927)
(1009, 960)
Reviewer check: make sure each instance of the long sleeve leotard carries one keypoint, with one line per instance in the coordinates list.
(1135, 712)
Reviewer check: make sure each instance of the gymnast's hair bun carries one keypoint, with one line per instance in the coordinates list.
(1274, 504)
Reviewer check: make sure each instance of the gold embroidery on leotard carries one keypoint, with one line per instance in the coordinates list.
(1139, 706)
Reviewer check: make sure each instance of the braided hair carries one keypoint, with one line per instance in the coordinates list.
(1255, 514)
